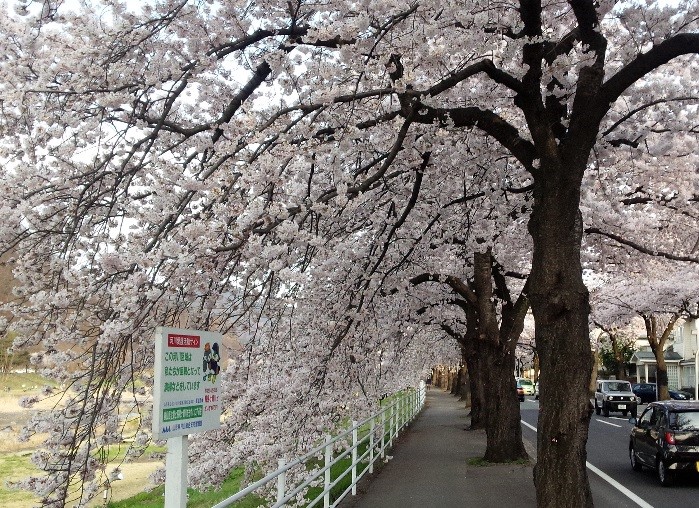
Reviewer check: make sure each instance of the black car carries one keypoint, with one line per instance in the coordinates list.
(666, 438)
(647, 393)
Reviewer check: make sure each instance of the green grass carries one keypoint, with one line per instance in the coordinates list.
(155, 498)
(233, 484)
(23, 382)
(113, 453)
(341, 467)
(15, 466)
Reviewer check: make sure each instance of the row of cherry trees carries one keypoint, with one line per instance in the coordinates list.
(362, 190)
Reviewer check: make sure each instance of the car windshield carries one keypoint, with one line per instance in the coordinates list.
(687, 420)
(617, 386)
(525, 382)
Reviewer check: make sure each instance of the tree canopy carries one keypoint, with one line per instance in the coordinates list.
(283, 170)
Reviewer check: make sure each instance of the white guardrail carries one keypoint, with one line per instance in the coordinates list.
(377, 434)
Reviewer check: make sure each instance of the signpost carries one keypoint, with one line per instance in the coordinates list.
(186, 398)
(696, 361)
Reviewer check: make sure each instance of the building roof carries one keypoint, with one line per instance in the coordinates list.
(649, 357)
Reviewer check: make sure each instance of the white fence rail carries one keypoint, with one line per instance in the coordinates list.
(376, 434)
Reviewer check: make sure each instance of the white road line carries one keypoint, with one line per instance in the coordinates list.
(633, 497)
(528, 425)
(608, 423)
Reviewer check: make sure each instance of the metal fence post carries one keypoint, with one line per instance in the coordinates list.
(411, 414)
(354, 457)
(383, 434)
(396, 410)
(371, 445)
(391, 425)
(328, 460)
(281, 481)
(405, 409)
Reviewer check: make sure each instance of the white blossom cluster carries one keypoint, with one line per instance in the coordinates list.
(283, 171)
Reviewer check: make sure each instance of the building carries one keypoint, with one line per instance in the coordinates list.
(686, 343)
(680, 357)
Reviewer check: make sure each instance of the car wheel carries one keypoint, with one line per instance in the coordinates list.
(635, 464)
(664, 474)
(605, 410)
(624, 413)
(597, 408)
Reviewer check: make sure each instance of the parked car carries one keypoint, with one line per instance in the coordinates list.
(666, 438)
(680, 395)
(536, 390)
(520, 393)
(527, 384)
(647, 393)
(615, 395)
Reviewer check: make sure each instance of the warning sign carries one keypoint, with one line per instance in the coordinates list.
(187, 391)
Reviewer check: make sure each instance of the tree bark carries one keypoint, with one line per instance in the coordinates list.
(463, 392)
(503, 427)
(560, 304)
(657, 345)
(475, 378)
(618, 359)
(474, 364)
(502, 422)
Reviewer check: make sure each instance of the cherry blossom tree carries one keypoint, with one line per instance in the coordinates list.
(615, 350)
(659, 293)
(488, 332)
(206, 164)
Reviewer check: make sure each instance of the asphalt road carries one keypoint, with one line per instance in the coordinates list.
(614, 484)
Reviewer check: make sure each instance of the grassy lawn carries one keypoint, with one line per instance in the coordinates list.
(23, 382)
(15, 466)
(155, 497)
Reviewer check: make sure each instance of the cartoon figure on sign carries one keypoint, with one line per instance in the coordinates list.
(214, 359)
(206, 359)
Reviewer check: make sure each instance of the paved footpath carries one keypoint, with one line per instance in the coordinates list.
(430, 467)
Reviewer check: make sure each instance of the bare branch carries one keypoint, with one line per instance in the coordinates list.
(643, 64)
(641, 248)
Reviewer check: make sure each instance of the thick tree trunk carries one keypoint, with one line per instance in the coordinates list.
(502, 417)
(456, 387)
(439, 377)
(451, 379)
(472, 356)
(503, 420)
(560, 304)
(618, 359)
(657, 344)
(464, 392)
(477, 392)
(662, 380)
